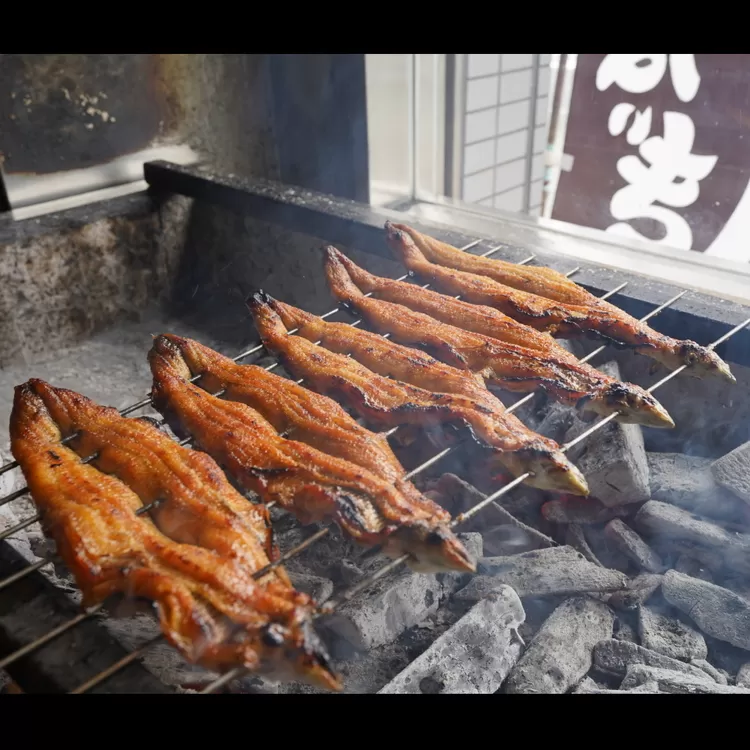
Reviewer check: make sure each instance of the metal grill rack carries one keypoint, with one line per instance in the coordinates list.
(199, 189)
(344, 596)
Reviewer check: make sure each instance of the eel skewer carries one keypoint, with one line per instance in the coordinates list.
(389, 402)
(297, 412)
(546, 300)
(209, 606)
(303, 480)
(541, 363)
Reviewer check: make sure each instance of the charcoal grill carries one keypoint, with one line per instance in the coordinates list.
(31, 656)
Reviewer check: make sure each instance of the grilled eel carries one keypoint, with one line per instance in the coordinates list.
(209, 606)
(385, 401)
(546, 300)
(522, 361)
(193, 502)
(307, 482)
(297, 412)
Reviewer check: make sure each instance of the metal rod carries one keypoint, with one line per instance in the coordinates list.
(45, 639)
(23, 573)
(117, 666)
(225, 679)
(146, 401)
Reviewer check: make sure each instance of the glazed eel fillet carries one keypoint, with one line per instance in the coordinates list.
(544, 299)
(483, 340)
(209, 606)
(448, 396)
(313, 485)
(294, 411)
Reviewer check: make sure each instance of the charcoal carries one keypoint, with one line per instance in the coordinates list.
(474, 545)
(589, 687)
(692, 567)
(613, 657)
(392, 605)
(669, 635)
(658, 519)
(457, 496)
(315, 586)
(639, 591)
(584, 510)
(669, 681)
(614, 462)
(623, 630)
(733, 471)
(710, 670)
(687, 481)
(576, 538)
(558, 419)
(561, 652)
(474, 656)
(717, 611)
(555, 571)
(632, 546)
(508, 539)
(605, 550)
(743, 676)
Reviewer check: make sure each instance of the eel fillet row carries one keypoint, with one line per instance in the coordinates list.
(294, 411)
(483, 340)
(386, 401)
(546, 300)
(313, 485)
(209, 605)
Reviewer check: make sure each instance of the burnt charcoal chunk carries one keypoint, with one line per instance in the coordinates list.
(561, 653)
(639, 591)
(584, 510)
(733, 471)
(473, 656)
(688, 482)
(614, 462)
(717, 611)
(632, 546)
(667, 634)
(677, 682)
(614, 657)
(392, 605)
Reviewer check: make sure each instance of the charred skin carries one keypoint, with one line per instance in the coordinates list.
(311, 484)
(196, 503)
(294, 411)
(508, 365)
(544, 299)
(208, 605)
(390, 402)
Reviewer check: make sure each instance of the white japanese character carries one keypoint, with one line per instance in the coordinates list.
(638, 131)
(671, 178)
(638, 74)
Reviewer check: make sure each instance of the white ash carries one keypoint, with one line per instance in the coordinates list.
(587, 686)
(717, 674)
(614, 657)
(632, 546)
(575, 537)
(614, 462)
(733, 471)
(556, 571)
(687, 481)
(717, 611)
(639, 590)
(623, 630)
(669, 681)
(664, 521)
(581, 510)
(561, 652)
(743, 676)
(606, 551)
(668, 634)
(474, 656)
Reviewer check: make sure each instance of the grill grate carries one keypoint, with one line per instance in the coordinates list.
(346, 595)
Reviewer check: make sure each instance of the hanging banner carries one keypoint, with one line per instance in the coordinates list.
(657, 147)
